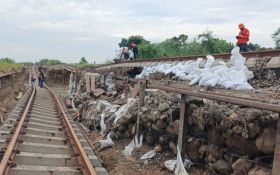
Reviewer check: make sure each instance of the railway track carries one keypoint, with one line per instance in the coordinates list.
(251, 57)
(39, 138)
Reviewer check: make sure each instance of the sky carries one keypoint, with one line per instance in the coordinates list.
(70, 29)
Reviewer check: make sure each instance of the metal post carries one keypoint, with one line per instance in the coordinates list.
(182, 127)
(276, 161)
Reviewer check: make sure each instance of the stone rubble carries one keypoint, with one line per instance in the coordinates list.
(228, 139)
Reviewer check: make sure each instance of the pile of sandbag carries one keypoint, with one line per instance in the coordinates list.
(231, 75)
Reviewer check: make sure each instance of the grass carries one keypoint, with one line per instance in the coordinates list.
(9, 66)
(85, 65)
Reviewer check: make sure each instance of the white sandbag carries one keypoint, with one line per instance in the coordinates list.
(135, 143)
(177, 165)
(102, 124)
(210, 60)
(148, 155)
(106, 143)
(233, 75)
(170, 164)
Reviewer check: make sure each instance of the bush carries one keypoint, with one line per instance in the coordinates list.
(9, 65)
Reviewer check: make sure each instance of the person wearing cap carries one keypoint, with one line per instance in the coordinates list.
(243, 38)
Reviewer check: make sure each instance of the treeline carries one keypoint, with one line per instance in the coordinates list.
(205, 43)
(47, 61)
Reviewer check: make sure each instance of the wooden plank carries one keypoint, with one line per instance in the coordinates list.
(140, 104)
(98, 92)
(92, 82)
(87, 83)
(126, 87)
(276, 161)
(182, 127)
(134, 90)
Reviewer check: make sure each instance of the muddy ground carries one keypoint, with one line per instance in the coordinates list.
(116, 163)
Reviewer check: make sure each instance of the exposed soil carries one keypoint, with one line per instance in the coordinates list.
(8, 96)
(55, 75)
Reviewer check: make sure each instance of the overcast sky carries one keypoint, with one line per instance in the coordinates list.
(69, 29)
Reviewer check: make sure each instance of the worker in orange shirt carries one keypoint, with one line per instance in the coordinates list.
(243, 38)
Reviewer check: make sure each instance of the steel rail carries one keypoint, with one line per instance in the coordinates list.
(8, 153)
(87, 167)
(222, 98)
(263, 53)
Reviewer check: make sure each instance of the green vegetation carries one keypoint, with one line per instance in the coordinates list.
(47, 61)
(83, 61)
(9, 65)
(205, 43)
(276, 38)
(137, 39)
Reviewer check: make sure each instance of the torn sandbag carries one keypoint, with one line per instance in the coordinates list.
(102, 124)
(148, 155)
(135, 143)
(106, 143)
(177, 165)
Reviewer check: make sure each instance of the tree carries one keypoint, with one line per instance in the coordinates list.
(83, 61)
(254, 47)
(276, 38)
(214, 45)
(137, 39)
(148, 51)
(124, 43)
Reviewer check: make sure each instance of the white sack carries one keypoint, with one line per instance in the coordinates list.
(233, 75)
(106, 143)
(135, 143)
(177, 165)
(148, 155)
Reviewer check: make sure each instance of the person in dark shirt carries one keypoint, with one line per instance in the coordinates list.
(42, 78)
(134, 49)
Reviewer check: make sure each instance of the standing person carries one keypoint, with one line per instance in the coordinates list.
(32, 79)
(243, 38)
(42, 78)
(39, 80)
(134, 47)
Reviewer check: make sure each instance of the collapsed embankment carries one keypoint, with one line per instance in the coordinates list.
(12, 87)
(225, 138)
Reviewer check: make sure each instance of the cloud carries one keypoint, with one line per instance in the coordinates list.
(70, 29)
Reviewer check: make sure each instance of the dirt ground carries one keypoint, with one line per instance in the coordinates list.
(8, 96)
(116, 163)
